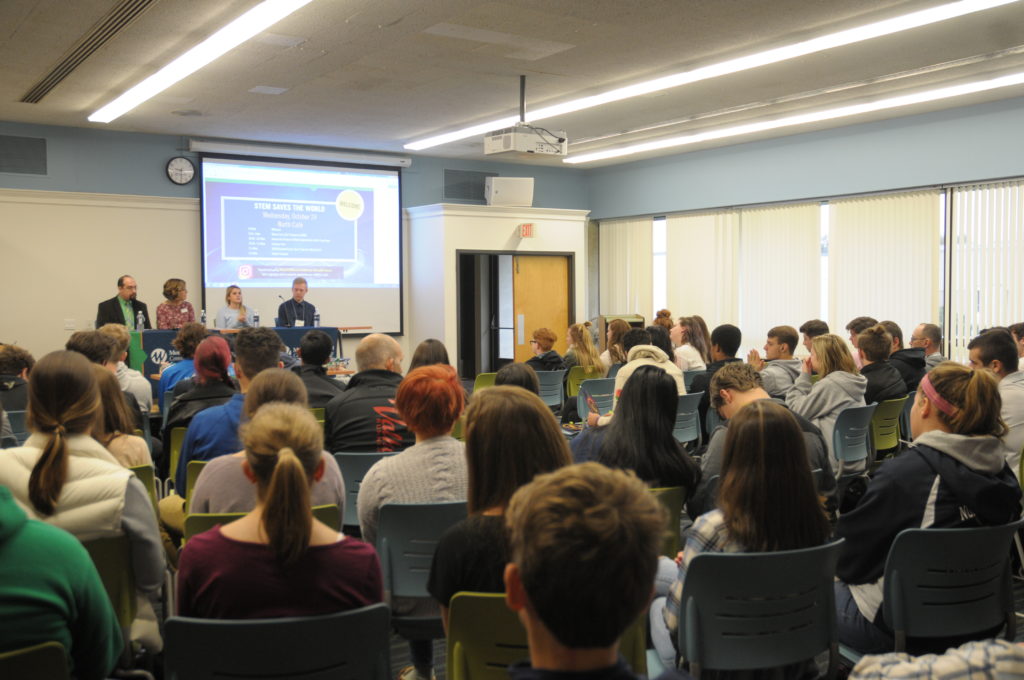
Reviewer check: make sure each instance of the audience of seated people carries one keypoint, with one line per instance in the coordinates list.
(186, 341)
(429, 401)
(954, 475)
(909, 361)
(840, 385)
(725, 342)
(994, 351)
(364, 417)
(315, 350)
(778, 368)
(278, 560)
(766, 502)
(690, 343)
(223, 486)
(544, 358)
(511, 437)
(267, 458)
(884, 382)
(733, 387)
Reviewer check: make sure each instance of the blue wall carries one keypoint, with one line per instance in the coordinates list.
(965, 144)
(108, 162)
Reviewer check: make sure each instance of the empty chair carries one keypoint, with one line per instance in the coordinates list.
(483, 381)
(551, 387)
(885, 425)
(687, 428)
(352, 645)
(850, 437)
(46, 661)
(354, 467)
(747, 611)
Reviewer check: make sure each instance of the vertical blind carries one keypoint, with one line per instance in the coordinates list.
(986, 261)
(883, 257)
(703, 250)
(625, 268)
(780, 269)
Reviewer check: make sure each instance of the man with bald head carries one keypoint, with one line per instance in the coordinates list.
(364, 417)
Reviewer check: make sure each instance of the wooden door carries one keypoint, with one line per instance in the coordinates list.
(540, 290)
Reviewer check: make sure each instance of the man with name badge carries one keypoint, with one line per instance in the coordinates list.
(296, 313)
(124, 308)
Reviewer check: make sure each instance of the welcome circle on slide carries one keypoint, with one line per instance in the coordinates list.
(349, 205)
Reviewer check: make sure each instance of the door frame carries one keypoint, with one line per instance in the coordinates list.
(569, 255)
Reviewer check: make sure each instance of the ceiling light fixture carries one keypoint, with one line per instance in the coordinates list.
(804, 118)
(848, 37)
(256, 20)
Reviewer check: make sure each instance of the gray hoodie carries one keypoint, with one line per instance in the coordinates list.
(778, 376)
(822, 401)
(644, 355)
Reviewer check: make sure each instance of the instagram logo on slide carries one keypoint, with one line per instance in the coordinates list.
(245, 271)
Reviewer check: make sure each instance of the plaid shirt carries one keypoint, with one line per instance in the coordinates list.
(984, 659)
(708, 534)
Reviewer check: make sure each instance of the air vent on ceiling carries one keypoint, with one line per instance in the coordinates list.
(23, 155)
(109, 26)
(465, 185)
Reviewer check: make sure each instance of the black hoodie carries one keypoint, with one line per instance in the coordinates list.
(910, 364)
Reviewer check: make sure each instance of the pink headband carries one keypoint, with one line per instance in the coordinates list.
(933, 396)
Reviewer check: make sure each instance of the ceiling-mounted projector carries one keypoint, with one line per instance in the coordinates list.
(526, 138)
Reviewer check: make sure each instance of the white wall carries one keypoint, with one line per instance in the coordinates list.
(62, 253)
(437, 231)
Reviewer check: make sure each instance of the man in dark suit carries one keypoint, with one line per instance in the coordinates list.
(123, 308)
(297, 312)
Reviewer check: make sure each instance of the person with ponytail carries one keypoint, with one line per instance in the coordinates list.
(614, 354)
(66, 478)
(114, 425)
(953, 475)
(278, 560)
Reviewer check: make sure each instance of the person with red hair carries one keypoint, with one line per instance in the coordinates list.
(430, 399)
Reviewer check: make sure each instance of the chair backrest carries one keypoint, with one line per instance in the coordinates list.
(177, 439)
(949, 582)
(712, 420)
(885, 424)
(602, 390)
(744, 611)
(19, 428)
(46, 661)
(613, 370)
(354, 466)
(483, 381)
(352, 645)
(318, 413)
(551, 386)
(577, 374)
(688, 376)
(192, 471)
(147, 475)
(484, 637)
(329, 515)
(113, 559)
(199, 522)
(850, 436)
(459, 428)
(673, 498)
(687, 427)
(905, 417)
(407, 536)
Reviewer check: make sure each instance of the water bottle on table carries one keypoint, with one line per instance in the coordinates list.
(256, 318)
(316, 320)
(140, 321)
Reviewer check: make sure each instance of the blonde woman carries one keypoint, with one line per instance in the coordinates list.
(234, 314)
(582, 351)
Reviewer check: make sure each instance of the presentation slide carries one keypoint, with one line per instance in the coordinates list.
(267, 222)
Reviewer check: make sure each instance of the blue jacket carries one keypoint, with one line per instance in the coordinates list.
(212, 433)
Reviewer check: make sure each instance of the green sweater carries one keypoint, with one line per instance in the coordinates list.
(49, 590)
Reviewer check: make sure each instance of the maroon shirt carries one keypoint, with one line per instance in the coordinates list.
(221, 578)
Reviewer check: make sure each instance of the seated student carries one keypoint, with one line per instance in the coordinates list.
(910, 362)
(766, 502)
(884, 381)
(113, 427)
(928, 337)
(545, 357)
(640, 352)
(1017, 331)
(429, 400)
(186, 341)
(841, 385)
(854, 328)
(129, 379)
(993, 351)
(954, 475)
(64, 477)
(222, 485)
(519, 375)
(50, 591)
(101, 349)
(429, 352)
(15, 365)
(812, 329)
(581, 519)
(212, 386)
(613, 341)
(691, 352)
(511, 437)
(734, 387)
(640, 437)
(582, 352)
(725, 342)
(315, 350)
(778, 369)
(278, 560)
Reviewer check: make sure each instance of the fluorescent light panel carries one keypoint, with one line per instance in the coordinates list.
(804, 118)
(773, 56)
(256, 20)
